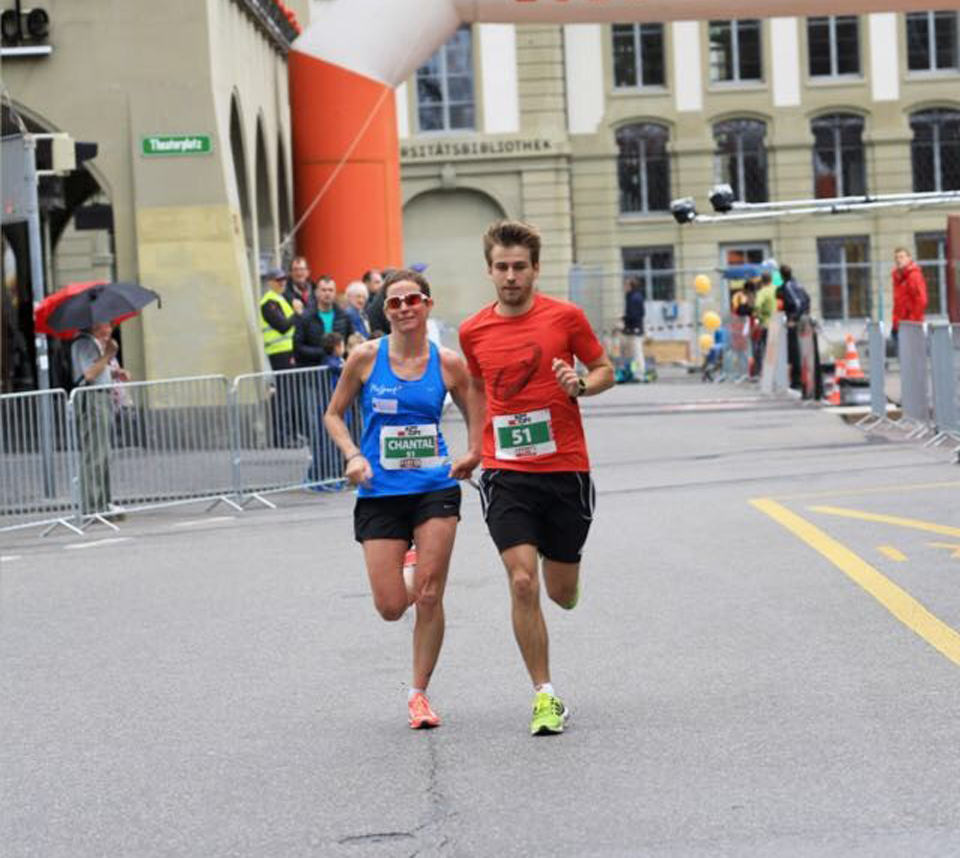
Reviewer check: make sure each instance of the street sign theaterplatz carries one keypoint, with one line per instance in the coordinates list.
(177, 144)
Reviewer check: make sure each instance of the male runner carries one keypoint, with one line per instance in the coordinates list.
(536, 489)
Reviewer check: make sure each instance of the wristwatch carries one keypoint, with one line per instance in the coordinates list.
(581, 386)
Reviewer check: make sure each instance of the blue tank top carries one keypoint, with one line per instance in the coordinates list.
(401, 429)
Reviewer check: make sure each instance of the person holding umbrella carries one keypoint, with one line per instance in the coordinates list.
(89, 311)
(90, 357)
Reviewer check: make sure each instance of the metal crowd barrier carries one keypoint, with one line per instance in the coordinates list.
(104, 451)
(929, 355)
(279, 440)
(914, 376)
(36, 461)
(148, 444)
(945, 383)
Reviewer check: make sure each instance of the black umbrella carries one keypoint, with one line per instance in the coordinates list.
(107, 302)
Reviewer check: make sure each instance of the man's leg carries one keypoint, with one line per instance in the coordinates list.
(529, 628)
(434, 541)
(561, 581)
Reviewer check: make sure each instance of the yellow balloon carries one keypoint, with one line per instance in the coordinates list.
(702, 284)
(706, 342)
(711, 320)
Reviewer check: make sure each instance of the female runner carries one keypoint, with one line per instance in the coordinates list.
(407, 489)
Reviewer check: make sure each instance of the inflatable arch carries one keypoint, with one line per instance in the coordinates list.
(345, 66)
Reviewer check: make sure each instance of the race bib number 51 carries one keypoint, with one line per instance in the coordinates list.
(524, 436)
(408, 448)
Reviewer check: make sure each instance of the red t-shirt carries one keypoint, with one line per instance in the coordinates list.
(532, 425)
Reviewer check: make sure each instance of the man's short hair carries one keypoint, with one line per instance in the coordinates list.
(357, 287)
(786, 272)
(332, 340)
(511, 233)
(902, 250)
(297, 259)
(407, 274)
(368, 275)
(766, 278)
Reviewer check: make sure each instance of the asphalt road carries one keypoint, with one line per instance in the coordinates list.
(748, 677)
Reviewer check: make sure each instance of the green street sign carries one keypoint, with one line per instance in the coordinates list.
(177, 144)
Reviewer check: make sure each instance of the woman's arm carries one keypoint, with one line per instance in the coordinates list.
(457, 378)
(356, 370)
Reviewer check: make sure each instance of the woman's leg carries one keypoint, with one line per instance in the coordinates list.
(434, 541)
(384, 559)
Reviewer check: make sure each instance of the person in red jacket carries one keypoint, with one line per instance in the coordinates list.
(909, 290)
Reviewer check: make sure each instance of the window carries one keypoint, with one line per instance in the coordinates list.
(844, 269)
(833, 45)
(445, 87)
(735, 53)
(935, 150)
(932, 259)
(638, 55)
(839, 169)
(741, 158)
(654, 267)
(643, 168)
(932, 41)
(753, 253)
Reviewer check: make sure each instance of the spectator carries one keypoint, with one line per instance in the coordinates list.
(325, 465)
(741, 329)
(278, 318)
(373, 280)
(764, 308)
(357, 296)
(90, 356)
(909, 290)
(379, 324)
(353, 341)
(299, 285)
(796, 307)
(633, 317)
(321, 316)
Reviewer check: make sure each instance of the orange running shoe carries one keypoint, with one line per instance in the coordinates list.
(422, 717)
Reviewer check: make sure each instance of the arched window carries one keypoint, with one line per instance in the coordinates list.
(935, 150)
(839, 168)
(643, 168)
(741, 158)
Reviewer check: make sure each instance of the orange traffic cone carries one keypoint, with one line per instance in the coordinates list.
(852, 359)
(840, 371)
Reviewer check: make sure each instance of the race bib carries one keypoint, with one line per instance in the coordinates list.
(410, 448)
(524, 436)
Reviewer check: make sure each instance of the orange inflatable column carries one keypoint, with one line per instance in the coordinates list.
(358, 222)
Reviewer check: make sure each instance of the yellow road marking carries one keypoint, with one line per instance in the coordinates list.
(896, 600)
(948, 546)
(916, 487)
(891, 552)
(914, 523)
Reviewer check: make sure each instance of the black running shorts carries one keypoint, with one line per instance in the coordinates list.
(552, 511)
(396, 516)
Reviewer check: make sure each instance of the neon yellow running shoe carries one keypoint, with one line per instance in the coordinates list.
(549, 715)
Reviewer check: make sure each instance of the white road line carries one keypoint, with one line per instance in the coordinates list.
(197, 522)
(98, 542)
(9, 558)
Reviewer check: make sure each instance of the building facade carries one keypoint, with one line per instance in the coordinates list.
(190, 190)
(590, 130)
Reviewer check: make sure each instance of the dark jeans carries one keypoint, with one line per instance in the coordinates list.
(282, 418)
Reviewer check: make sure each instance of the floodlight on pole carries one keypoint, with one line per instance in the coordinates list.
(684, 210)
(722, 198)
